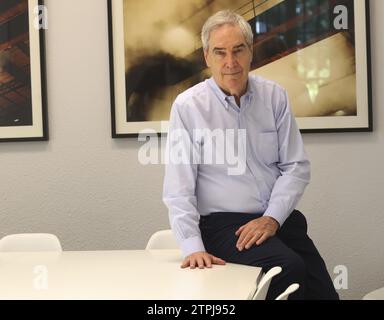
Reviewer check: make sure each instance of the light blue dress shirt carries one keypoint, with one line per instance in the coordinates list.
(276, 172)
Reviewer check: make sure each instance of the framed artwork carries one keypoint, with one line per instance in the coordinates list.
(319, 50)
(22, 71)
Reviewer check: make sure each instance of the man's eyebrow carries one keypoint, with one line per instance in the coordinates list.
(242, 45)
(239, 46)
(218, 49)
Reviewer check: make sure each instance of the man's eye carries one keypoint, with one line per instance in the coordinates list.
(220, 53)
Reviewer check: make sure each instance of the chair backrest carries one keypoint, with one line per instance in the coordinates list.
(162, 239)
(291, 289)
(28, 242)
(255, 286)
(263, 286)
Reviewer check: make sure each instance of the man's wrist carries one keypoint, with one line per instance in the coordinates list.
(191, 245)
(274, 221)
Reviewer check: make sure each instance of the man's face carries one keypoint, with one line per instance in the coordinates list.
(229, 59)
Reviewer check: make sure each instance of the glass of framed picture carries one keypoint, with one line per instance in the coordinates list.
(319, 50)
(22, 71)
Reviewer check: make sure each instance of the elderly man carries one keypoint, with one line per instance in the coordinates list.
(247, 218)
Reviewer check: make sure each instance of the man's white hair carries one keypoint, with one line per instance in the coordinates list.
(226, 17)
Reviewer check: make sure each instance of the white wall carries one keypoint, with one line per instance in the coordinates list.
(91, 191)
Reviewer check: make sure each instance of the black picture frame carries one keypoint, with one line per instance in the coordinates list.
(282, 33)
(23, 101)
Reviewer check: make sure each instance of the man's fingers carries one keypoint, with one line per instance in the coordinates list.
(253, 240)
(185, 263)
(200, 263)
(243, 234)
(217, 260)
(239, 230)
(201, 260)
(264, 237)
(207, 260)
(245, 240)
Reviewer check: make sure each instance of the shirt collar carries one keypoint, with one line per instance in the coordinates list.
(222, 96)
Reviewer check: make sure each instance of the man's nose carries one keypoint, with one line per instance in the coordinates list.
(231, 60)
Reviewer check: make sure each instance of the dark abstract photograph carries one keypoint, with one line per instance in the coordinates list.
(21, 107)
(310, 47)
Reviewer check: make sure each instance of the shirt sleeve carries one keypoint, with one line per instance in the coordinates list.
(180, 183)
(293, 163)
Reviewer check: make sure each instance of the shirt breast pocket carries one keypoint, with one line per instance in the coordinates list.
(268, 147)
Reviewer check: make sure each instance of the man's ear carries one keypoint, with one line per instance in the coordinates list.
(206, 53)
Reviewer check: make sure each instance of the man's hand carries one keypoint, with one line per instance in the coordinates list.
(256, 232)
(201, 259)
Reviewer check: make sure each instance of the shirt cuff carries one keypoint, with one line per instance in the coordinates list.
(192, 245)
(277, 213)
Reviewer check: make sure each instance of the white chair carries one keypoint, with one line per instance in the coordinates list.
(28, 242)
(291, 289)
(261, 288)
(255, 286)
(162, 239)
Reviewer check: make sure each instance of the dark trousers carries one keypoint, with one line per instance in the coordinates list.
(290, 248)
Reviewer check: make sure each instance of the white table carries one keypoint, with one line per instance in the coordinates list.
(375, 295)
(131, 274)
